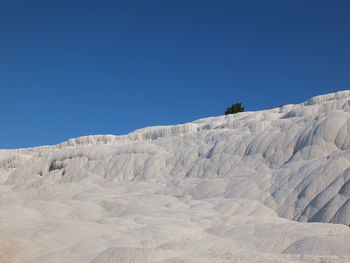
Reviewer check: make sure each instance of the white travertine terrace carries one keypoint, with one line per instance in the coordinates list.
(222, 189)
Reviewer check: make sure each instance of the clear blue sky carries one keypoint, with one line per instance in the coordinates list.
(74, 68)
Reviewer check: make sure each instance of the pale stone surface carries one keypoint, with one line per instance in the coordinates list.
(221, 189)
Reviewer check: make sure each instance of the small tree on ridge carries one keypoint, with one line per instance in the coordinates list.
(235, 108)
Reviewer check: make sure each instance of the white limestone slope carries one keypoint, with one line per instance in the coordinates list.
(221, 189)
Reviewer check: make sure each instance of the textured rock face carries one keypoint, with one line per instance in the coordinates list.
(290, 162)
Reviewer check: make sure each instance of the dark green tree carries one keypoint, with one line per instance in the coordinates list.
(235, 108)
